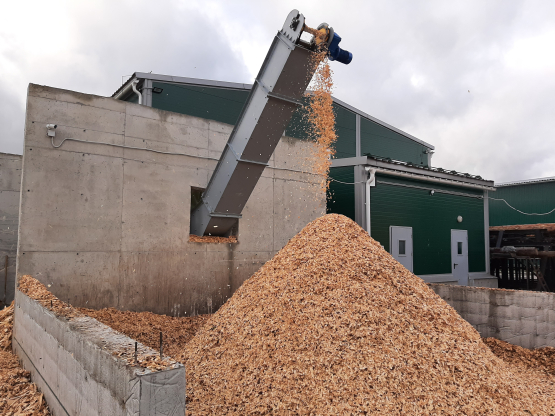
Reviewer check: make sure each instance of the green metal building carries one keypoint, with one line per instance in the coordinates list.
(434, 221)
(516, 203)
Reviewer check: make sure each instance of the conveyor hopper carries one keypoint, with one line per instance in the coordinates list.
(276, 93)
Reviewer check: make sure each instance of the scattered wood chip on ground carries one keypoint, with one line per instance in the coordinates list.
(212, 239)
(145, 327)
(18, 395)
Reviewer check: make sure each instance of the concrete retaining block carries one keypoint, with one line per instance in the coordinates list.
(73, 363)
(520, 317)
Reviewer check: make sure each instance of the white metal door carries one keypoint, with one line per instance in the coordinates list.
(400, 245)
(459, 256)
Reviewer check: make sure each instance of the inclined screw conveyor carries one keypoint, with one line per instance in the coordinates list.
(276, 93)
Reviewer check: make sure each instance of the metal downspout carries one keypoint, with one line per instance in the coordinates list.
(371, 181)
(134, 86)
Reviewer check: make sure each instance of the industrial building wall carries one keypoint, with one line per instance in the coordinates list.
(341, 195)
(108, 226)
(529, 198)
(225, 105)
(432, 217)
(10, 184)
(376, 140)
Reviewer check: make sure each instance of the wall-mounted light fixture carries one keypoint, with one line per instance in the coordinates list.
(432, 192)
(459, 218)
(51, 130)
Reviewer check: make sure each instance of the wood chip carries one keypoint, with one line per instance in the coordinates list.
(18, 395)
(146, 358)
(212, 239)
(334, 325)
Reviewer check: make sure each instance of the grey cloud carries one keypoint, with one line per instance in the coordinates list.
(114, 39)
(11, 121)
(414, 65)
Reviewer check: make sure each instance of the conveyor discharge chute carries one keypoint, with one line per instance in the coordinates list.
(276, 93)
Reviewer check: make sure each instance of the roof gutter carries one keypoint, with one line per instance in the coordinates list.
(130, 85)
(436, 180)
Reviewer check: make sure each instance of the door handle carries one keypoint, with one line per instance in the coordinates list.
(455, 265)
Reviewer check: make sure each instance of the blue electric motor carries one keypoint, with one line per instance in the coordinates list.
(334, 51)
(338, 54)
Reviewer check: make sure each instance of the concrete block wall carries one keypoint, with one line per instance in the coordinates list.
(10, 184)
(73, 363)
(109, 226)
(519, 317)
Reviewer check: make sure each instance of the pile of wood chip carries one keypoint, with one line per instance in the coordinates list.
(211, 239)
(543, 226)
(146, 358)
(18, 396)
(145, 327)
(6, 328)
(37, 291)
(539, 359)
(334, 325)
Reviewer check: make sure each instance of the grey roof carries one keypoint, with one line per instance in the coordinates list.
(236, 85)
(526, 181)
(412, 168)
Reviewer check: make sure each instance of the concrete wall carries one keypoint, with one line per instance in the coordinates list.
(109, 226)
(516, 316)
(10, 184)
(73, 363)
(478, 279)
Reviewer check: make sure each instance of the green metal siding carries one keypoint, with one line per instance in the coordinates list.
(132, 98)
(432, 217)
(299, 127)
(225, 105)
(529, 198)
(345, 128)
(341, 197)
(219, 104)
(378, 140)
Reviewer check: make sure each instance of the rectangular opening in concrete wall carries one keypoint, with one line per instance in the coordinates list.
(196, 201)
(196, 197)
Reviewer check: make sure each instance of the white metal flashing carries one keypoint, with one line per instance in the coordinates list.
(526, 181)
(450, 279)
(415, 172)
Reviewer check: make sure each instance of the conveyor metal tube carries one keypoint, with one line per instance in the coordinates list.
(279, 87)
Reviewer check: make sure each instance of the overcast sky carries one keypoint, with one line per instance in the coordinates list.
(474, 78)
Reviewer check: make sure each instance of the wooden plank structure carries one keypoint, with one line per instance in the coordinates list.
(523, 256)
